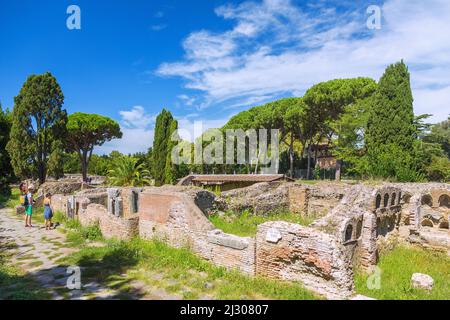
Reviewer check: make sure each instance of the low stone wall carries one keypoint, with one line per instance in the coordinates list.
(175, 218)
(59, 202)
(110, 225)
(292, 252)
(226, 250)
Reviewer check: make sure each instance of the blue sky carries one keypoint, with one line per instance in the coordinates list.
(206, 60)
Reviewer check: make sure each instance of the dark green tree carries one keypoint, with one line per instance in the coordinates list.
(85, 131)
(172, 169)
(440, 134)
(38, 120)
(6, 169)
(160, 152)
(328, 105)
(391, 129)
(56, 160)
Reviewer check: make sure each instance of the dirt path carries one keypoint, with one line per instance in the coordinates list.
(37, 252)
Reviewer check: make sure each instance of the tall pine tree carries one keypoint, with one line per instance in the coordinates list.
(390, 133)
(38, 120)
(162, 169)
(6, 171)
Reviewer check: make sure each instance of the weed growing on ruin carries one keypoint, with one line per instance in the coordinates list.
(397, 267)
(76, 233)
(246, 224)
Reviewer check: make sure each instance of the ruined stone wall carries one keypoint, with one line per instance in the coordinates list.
(110, 225)
(295, 253)
(59, 202)
(175, 219)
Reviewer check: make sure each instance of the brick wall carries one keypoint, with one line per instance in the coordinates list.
(110, 225)
(295, 253)
(175, 219)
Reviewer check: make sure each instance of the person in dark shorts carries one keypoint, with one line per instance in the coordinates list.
(48, 212)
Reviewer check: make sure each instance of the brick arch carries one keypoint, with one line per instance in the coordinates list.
(439, 196)
(444, 201)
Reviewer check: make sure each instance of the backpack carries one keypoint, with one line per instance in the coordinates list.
(24, 200)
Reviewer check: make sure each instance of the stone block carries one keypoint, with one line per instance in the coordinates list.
(422, 281)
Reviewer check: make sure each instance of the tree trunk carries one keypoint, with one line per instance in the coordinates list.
(291, 156)
(308, 171)
(84, 165)
(337, 176)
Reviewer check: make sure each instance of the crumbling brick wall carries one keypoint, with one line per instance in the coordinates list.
(292, 252)
(175, 218)
(110, 225)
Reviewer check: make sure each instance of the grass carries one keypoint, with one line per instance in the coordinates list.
(76, 233)
(397, 267)
(246, 224)
(11, 201)
(14, 283)
(181, 271)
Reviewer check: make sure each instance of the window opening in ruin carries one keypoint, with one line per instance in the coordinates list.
(135, 201)
(394, 197)
(426, 200)
(386, 200)
(378, 202)
(113, 206)
(444, 201)
(348, 232)
(358, 229)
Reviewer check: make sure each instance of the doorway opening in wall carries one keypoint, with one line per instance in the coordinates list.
(134, 202)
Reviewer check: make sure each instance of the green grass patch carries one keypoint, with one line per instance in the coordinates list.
(14, 284)
(12, 200)
(245, 224)
(76, 233)
(397, 267)
(139, 258)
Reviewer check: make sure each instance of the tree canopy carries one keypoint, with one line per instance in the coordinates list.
(5, 161)
(85, 131)
(391, 128)
(162, 168)
(38, 121)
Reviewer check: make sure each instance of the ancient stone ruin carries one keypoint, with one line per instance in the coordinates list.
(353, 224)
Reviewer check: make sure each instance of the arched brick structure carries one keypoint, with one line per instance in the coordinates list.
(440, 197)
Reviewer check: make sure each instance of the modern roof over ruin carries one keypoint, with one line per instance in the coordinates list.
(235, 177)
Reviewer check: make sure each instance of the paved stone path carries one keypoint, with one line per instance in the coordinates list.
(37, 251)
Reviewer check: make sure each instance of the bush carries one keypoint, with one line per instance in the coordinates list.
(439, 169)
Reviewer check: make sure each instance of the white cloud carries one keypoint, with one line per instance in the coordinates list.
(158, 27)
(137, 128)
(276, 48)
(189, 129)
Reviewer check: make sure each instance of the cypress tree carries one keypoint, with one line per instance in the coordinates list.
(390, 130)
(171, 169)
(160, 146)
